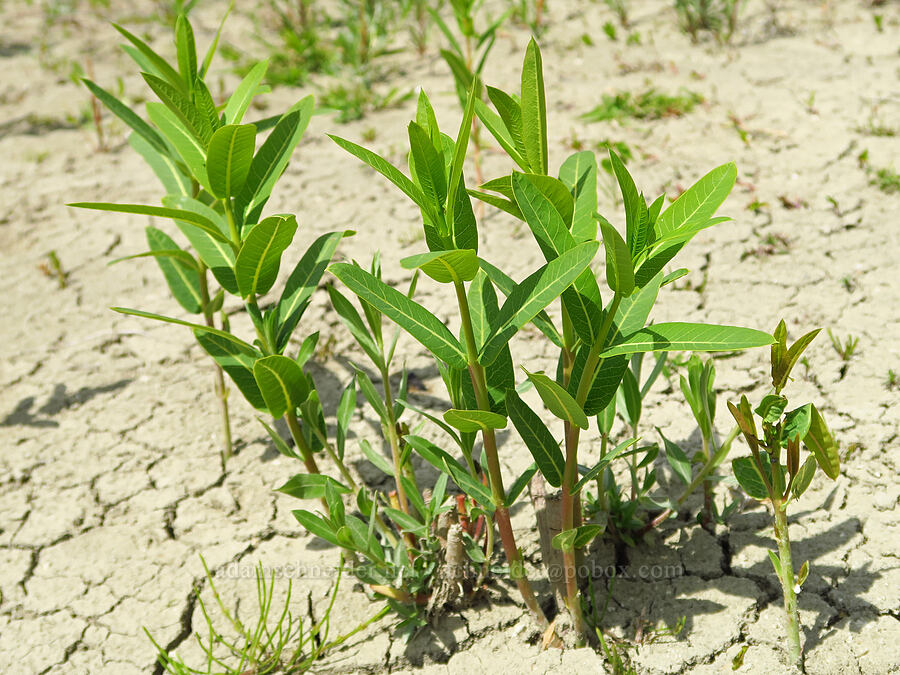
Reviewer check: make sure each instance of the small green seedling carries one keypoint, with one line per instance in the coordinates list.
(53, 268)
(845, 349)
(646, 105)
(891, 381)
(774, 472)
(719, 17)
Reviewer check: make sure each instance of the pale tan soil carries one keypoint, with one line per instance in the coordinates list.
(110, 485)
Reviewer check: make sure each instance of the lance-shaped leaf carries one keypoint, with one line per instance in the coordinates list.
(196, 326)
(542, 215)
(178, 102)
(474, 420)
(407, 313)
(283, 385)
(124, 113)
(357, 327)
(228, 158)
(604, 462)
(784, 362)
(511, 116)
(446, 464)
(190, 217)
(534, 109)
(579, 174)
(804, 477)
(273, 156)
(303, 281)
(558, 400)
(445, 266)
(619, 268)
(533, 294)
(156, 63)
(237, 360)
(823, 446)
(174, 177)
(311, 486)
(318, 526)
(698, 203)
(537, 439)
(186, 49)
(579, 537)
(679, 461)
(243, 94)
(191, 150)
(182, 278)
(390, 172)
(216, 252)
(696, 337)
(259, 259)
(635, 229)
(459, 208)
(494, 123)
(427, 166)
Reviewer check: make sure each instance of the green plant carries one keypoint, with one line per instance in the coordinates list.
(766, 477)
(597, 338)
(887, 180)
(891, 381)
(53, 268)
(647, 105)
(620, 9)
(610, 29)
(217, 184)
(879, 22)
(720, 17)
(286, 646)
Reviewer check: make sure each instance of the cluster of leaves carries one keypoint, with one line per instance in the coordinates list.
(719, 17)
(646, 105)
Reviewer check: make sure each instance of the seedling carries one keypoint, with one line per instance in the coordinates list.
(891, 382)
(887, 180)
(846, 348)
(647, 105)
(764, 476)
(720, 17)
(53, 268)
(610, 29)
(597, 338)
(270, 642)
(620, 9)
(217, 184)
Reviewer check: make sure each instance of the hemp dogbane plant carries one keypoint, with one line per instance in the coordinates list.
(218, 183)
(768, 476)
(597, 338)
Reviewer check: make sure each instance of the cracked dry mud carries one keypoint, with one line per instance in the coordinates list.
(110, 486)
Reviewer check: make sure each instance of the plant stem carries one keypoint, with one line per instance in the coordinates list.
(792, 617)
(394, 439)
(305, 451)
(498, 494)
(221, 388)
(573, 602)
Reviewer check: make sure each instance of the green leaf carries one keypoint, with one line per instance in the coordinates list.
(534, 110)
(357, 327)
(821, 443)
(679, 461)
(236, 358)
(124, 113)
(405, 522)
(776, 563)
(689, 337)
(474, 420)
(537, 439)
(697, 204)
(282, 383)
(803, 573)
(178, 102)
(273, 156)
(459, 216)
(749, 478)
(303, 281)
(240, 100)
(157, 63)
(211, 50)
(390, 172)
(797, 422)
(533, 294)
(259, 259)
(445, 463)
(604, 462)
(782, 366)
(190, 217)
(191, 150)
(579, 174)
(570, 540)
(228, 159)
(196, 326)
(182, 278)
(318, 526)
(519, 484)
(542, 216)
(428, 167)
(804, 477)
(771, 407)
(311, 486)
(495, 124)
(410, 315)
(372, 395)
(445, 266)
(187, 50)
(175, 179)
(558, 400)
(377, 460)
(619, 268)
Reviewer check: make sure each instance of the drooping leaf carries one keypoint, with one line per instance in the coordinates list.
(259, 259)
(236, 359)
(228, 158)
(410, 315)
(474, 420)
(124, 113)
(822, 444)
(158, 65)
(749, 478)
(558, 400)
(604, 462)
(175, 179)
(182, 278)
(537, 439)
(445, 266)
(216, 252)
(190, 217)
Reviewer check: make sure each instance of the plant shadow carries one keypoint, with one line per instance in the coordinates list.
(24, 413)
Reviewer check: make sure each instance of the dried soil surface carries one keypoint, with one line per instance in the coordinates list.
(110, 484)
